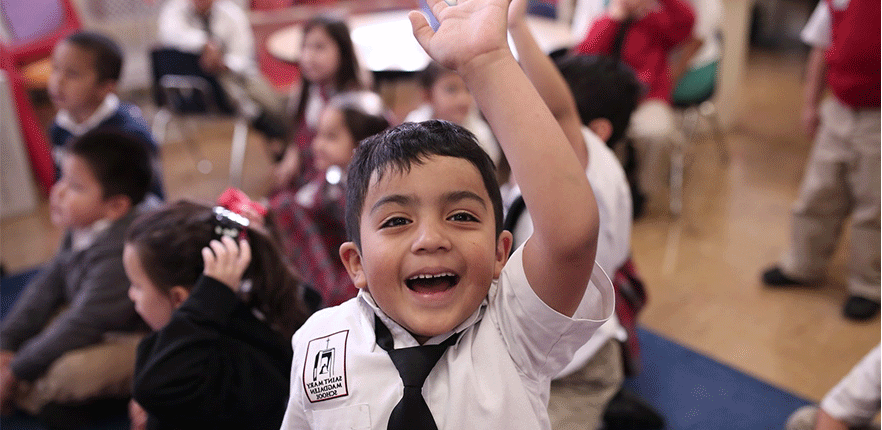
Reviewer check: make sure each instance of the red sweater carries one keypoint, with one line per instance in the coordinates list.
(647, 45)
(853, 69)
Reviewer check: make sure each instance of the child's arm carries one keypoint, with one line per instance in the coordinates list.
(226, 261)
(472, 40)
(101, 303)
(546, 78)
(673, 22)
(813, 90)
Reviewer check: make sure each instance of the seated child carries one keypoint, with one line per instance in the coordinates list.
(223, 313)
(610, 93)
(428, 253)
(220, 32)
(328, 66)
(56, 341)
(851, 405)
(82, 85)
(448, 98)
(643, 33)
(309, 221)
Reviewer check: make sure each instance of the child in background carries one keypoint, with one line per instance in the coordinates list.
(328, 66)
(643, 33)
(223, 313)
(841, 181)
(219, 31)
(70, 338)
(86, 67)
(596, 373)
(851, 405)
(309, 221)
(431, 260)
(448, 98)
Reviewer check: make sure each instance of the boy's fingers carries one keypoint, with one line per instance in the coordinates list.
(422, 31)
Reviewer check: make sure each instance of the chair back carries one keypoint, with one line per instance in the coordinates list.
(180, 84)
(33, 27)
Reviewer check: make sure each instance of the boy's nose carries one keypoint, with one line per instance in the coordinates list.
(430, 238)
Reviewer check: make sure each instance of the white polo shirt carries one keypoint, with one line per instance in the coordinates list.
(497, 375)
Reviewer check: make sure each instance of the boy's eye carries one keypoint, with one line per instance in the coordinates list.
(463, 217)
(395, 222)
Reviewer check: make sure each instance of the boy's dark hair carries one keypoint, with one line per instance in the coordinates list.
(603, 88)
(120, 162)
(363, 113)
(108, 55)
(432, 73)
(399, 148)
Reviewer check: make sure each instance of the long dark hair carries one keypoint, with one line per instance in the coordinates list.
(346, 77)
(169, 242)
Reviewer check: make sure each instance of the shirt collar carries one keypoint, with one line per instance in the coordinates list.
(104, 111)
(403, 337)
(85, 237)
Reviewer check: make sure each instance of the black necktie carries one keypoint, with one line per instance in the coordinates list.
(414, 365)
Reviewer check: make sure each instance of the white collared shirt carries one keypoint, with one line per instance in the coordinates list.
(63, 119)
(497, 375)
(81, 239)
(182, 29)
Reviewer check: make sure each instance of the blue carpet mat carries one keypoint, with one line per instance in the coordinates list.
(692, 391)
(695, 392)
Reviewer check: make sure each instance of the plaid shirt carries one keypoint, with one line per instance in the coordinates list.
(311, 228)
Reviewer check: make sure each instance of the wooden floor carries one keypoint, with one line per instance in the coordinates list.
(702, 269)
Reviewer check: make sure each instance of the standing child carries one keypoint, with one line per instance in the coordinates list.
(58, 343)
(309, 221)
(328, 65)
(86, 67)
(428, 253)
(223, 313)
(842, 176)
(447, 98)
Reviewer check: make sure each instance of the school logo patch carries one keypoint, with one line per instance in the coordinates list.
(324, 373)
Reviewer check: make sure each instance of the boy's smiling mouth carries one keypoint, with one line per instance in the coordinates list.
(432, 283)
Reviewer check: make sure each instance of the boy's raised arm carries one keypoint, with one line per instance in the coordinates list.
(546, 78)
(472, 40)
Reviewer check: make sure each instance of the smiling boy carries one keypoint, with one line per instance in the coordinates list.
(430, 258)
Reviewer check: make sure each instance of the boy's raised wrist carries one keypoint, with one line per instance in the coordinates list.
(487, 61)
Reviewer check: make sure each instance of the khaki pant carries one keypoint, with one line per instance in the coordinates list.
(104, 370)
(654, 132)
(253, 95)
(841, 180)
(577, 401)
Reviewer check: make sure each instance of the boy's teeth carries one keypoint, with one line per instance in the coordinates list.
(432, 276)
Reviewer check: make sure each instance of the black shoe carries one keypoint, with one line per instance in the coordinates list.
(626, 411)
(68, 416)
(860, 309)
(776, 278)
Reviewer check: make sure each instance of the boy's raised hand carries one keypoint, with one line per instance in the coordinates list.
(226, 261)
(471, 32)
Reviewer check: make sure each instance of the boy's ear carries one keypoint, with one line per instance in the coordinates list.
(503, 249)
(116, 207)
(352, 260)
(602, 127)
(178, 295)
